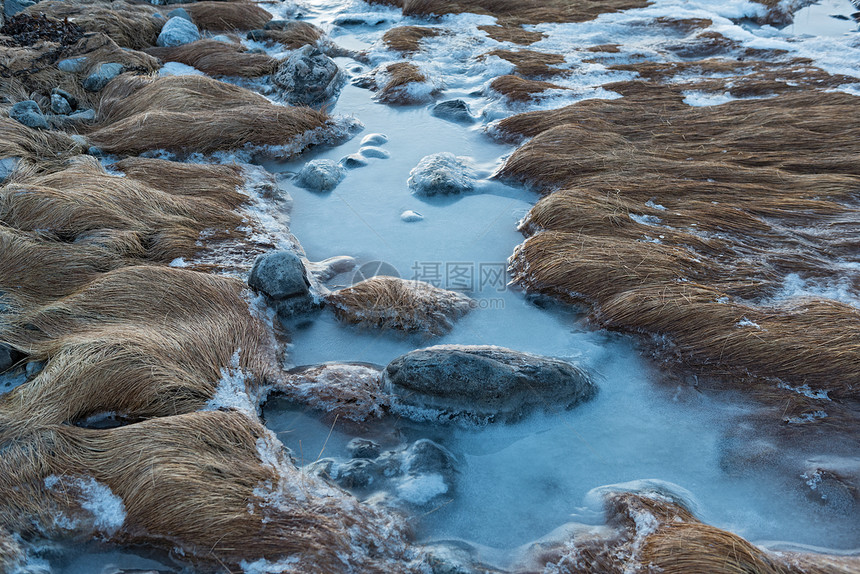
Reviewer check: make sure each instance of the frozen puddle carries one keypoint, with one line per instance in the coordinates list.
(515, 483)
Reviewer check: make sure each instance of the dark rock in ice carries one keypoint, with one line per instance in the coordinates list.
(353, 161)
(180, 13)
(374, 152)
(482, 383)
(323, 468)
(441, 174)
(357, 473)
(427, 457)
(320, 175)
(29, 114)
(453, 111)
(831, 490)
(309, 77)
(363, 448)
(103, 74)
(7, 357)
(34, 368)
(279, 275)
(178, 31)
(278, 24)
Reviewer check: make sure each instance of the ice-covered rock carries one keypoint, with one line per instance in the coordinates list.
(320, 175)
(103, 74)
(441, 174)
(178, 31)
(453, 111)
(374, 139)
(482, 383)
(328, 268)
(410, 216)
(281, 276)
(7, 166)
(353, 161)
(309, 77)
(29, 114)
(72, 65)
(374, 152)
(363, 448)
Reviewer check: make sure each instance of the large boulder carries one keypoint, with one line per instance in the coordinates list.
(482, 383)
(441, 174)
(309, 77)
(29, 114)
(178, 31)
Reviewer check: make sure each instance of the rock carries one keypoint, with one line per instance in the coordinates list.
(353, 161)
(103, 74)
(59, 105)
(441, 174)
(453, 111)
(830, 490)
(180, 13)
(29, 114)
(363, 448)
(320, 175)
(13, 7)
(331, 267)
(7, 357)
(482, 383)
(34, 368)
(86, 115)
(427, 457)
(323, 468)
(280, 275)
(309, 77)
(73, 101)
(410, 216)
(356, 473)
(374, 139)
(72, 65)
(7, 167)
(178, 31)
(257, 35)
(374, 152)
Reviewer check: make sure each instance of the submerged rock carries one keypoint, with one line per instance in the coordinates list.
(309, 77)
(453, 111)
(103, 74)
(410, 216)
(353, 161)
(374, 152)
(483, 383)
(29, 114)
(178, 31)
(320, 175)
(441, 174)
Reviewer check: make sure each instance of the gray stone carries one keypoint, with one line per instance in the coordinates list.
(353, 161)
(60, 105)
(441, 174)
(7, 166)
(320, 175)
(363, 448)
(29, 114)
(103, 74)
(309, 77)
(357, 473)
(257, 35)
(427, 457)
(7, 357)
(280, 275)
(13, 7)
(180, 13)
(34, 368)
(177, 31)
(296, 306)
(482, 383)
(72, 65)
(86, 115)
(73, 101)
(453, 111)
(374, 152)
(374, 139)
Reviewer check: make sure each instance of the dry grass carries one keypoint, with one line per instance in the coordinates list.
(129, 25)
(210, 181)
(127, 96)
(393, 303)
(39, 150)
(514, 34)
(532, 65)
(674, 542)
(227, 16)
(295, 35)
(516, 12)
(344, 390)
(218, 58)
(516, 89)
(399, 79)
(197, 482)
(683, 221)
(85, 204)
(407, 39)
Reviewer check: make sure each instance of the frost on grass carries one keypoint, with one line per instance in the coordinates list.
(106, 508)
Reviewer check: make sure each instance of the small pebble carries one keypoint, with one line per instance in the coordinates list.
(375, 152)
(374, 139)
(410, 216)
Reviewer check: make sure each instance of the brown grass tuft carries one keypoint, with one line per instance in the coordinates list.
(393, 303)
(295, 35)
(516, 89)
(129, 25)
(677, 221)
(407, 39)
(398, 79)
(513, 33)
(532, 65)
(38, 149)
(198, 482)
(517, 11)
(227, 16)
(218, 58)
